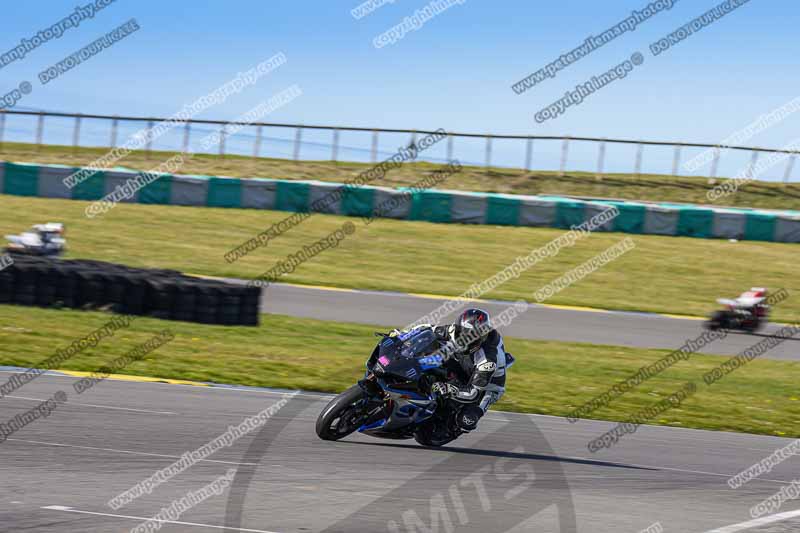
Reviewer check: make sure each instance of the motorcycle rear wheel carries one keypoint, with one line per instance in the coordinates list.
(342, 415)
(754, 326)
(425, 436)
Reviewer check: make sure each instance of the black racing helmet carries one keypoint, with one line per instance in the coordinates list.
(473, 327)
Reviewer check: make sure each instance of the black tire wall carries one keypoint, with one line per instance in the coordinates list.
(165, 294)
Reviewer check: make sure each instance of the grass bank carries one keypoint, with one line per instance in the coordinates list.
(662, 274)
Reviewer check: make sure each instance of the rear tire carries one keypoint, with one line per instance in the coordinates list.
(330, 421)
(425, 437)
(754, 326)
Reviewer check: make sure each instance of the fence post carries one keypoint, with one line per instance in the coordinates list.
(257, 145)
(335, 145)
(564, 155)
(114, 132)
(297, 138)
(488, 152)
(186, 132)
(637, 169)
(528, 153)
(223, 132)
(2, 127)
(601, 159)
(76, 133)
(788, 173)
(39, 131)
(374, 153)
(149, 145)
(449, 147)
(676, 160)
(715, 161)
(752, 166)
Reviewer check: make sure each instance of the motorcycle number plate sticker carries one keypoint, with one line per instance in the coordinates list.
(431, 361)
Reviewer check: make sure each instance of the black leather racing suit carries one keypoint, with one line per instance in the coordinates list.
(481, 370)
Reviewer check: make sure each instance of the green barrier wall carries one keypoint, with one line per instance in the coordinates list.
(687, 220)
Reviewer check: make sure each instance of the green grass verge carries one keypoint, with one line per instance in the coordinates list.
(550, 377)
(662, 274)
(653, 187)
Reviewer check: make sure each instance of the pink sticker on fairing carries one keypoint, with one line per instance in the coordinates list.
(383, 360)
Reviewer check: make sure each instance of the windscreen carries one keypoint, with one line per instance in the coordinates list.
(418, 342)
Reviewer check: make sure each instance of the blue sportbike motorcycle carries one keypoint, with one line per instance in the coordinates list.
(394, 399)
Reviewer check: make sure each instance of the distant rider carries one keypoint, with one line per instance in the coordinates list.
(753, 302)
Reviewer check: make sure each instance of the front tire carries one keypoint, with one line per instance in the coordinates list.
(719, 320)
(342, 415)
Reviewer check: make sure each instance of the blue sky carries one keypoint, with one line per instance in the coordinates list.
(455, 72)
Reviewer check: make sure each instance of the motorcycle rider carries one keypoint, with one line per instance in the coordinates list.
(752, 302)
(475, 353)
(748, 312)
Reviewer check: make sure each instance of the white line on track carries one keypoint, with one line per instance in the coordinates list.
(144, 519)
(125, 451)
(757, 522)
(97, 406)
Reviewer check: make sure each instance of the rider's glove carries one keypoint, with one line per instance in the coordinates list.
(444, 390)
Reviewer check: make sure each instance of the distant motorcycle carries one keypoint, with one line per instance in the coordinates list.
(42, 239)
(748, 312)
(394, 399)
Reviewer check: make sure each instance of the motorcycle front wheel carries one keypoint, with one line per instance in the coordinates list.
(718, 320)
(343, 415)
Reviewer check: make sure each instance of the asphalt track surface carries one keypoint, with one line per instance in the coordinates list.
(641, 330)
(517, 473)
